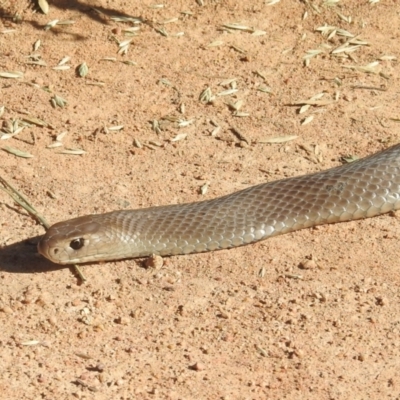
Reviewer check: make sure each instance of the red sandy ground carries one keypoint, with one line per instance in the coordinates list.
(257, 322)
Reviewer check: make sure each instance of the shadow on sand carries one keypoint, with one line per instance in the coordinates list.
(22, 257)
(98, 13)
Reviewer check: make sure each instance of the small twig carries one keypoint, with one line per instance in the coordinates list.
(240, 135)
(369, 88)
(20, 199)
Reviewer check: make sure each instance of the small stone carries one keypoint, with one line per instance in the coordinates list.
(6, 309)
(99, 367)
(76, 302)
(30, 296)
(85, 376)
(198, 367)
(361, 357)
(381, 301)
(308, 264)
(224, 315)
(122, 320)
(155, 262)
(45, 299)
(299, 353)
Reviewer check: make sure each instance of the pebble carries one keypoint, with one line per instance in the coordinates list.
(308, 264)
(155, 262)
(198, 367)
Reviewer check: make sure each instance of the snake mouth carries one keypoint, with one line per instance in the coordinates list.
(51, 253)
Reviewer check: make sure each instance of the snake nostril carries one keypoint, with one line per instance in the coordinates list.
(55, 251)
(77, 244)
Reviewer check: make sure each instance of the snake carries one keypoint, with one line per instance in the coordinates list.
(364, 188)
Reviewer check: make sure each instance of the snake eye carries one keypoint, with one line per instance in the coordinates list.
(77, 244)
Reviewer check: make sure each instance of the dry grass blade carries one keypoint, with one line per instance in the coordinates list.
(330, 31)
(74, 152)
(331, 3)
(61, 67)
(37, 62)
(61, 136)
(180, 136)
(388, 58)
(206, 95)
(100, 84)
(169, 21)
(123, 50)
(258, 33)
(227, 92)
(216, 43)
(51, 24)
(368, 69)
(317, 103)
(20, 199)
(307, 120)
(279, 139)
(304, 108)
(36, 45)
(64, 60)
(204, 189)
(345, 49)
(133, 29)
(11, 74)
(344, 18)
(58, 101)
(35, 121)
(44, 6)
(265, 89)
(126, 19)
(115, 128)
(54, 145)
(83, 70)
(162, 31)
(10, 135)
(239, 27)
(349, 158)
(16, 152)
(129, 62)
(183, 123)
(66, 22)
(125, 42)
(240, 114)
(312, 53)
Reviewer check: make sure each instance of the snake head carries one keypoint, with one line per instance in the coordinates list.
(73, 241)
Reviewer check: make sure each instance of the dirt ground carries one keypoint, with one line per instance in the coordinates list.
(314, 314)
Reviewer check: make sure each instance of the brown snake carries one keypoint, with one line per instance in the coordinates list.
(362, 189)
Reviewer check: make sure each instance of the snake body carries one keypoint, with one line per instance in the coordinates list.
(361, 189)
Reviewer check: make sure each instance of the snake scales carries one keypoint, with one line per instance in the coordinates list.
(362, 189)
